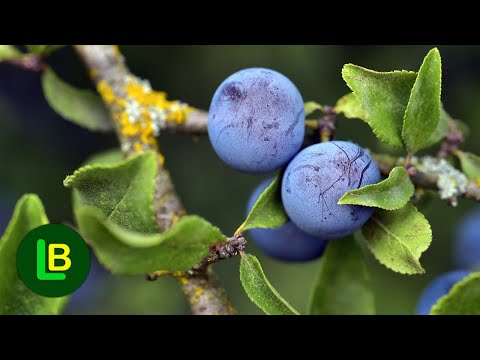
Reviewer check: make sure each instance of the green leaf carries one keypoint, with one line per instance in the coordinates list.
(9, 52)
(15, 297)
(423, 110)
(268, 211)
(398, 238)
(470, 165)
(43, 49)
(351, 108)
(462, 299)
(82, 107)
(105, 157)
(311, 106)
(384, 96)
(389, 194)
(259, 289)
(342, 286)
(132, 253)
(441, 129)
(123, 191)
(36, 49)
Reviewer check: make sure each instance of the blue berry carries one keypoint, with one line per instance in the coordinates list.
(317, 178)
(438, 288)
(287, 242)
(256, 120)
(467, 244)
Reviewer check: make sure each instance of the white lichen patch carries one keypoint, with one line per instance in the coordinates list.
(451, 182)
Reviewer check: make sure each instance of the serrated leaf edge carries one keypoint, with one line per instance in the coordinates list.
(245, 257)
(148, 239)
(245, 225)
(411, 92)
(349, 192)
(436, 307)
(429, 229)
(377, 133)
(343, 113)
(70, 179)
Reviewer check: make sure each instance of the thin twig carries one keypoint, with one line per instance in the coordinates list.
(423, 179)
(196, 124)
(232, 247)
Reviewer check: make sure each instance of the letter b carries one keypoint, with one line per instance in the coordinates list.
(63, 257)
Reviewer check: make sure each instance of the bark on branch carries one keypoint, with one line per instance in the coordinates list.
(424, 179)
(116, 84)
(196, 124)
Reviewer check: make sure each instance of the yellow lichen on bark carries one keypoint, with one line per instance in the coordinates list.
(141, 112)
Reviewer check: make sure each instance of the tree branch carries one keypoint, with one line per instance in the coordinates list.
(423, 179)
(205, 294)
(195, 124)
(138, 114)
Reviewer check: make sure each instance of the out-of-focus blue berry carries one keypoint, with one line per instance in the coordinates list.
(438, 288)
(467, 243)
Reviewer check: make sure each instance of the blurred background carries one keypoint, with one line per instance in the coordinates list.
(38, 149)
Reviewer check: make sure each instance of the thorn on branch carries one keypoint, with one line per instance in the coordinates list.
(232, 247)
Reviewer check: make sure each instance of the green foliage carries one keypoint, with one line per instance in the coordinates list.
(441, 129)
(15, 297)
(384, 96)
(132, 253)
(470, 165)
(105, 157)
(113, 202)
(423, 110)
(389, 194)
(268, 211)
(8, 52)
(123, 191)
(398, 238)
(462, 299)
(114, 210)
(259, 289)
(43, 49)
(311, 106)
(342, 285)
(403, 108)
(82, 107)
(351, 108)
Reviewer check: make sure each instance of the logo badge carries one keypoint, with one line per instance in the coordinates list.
(53, 260)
